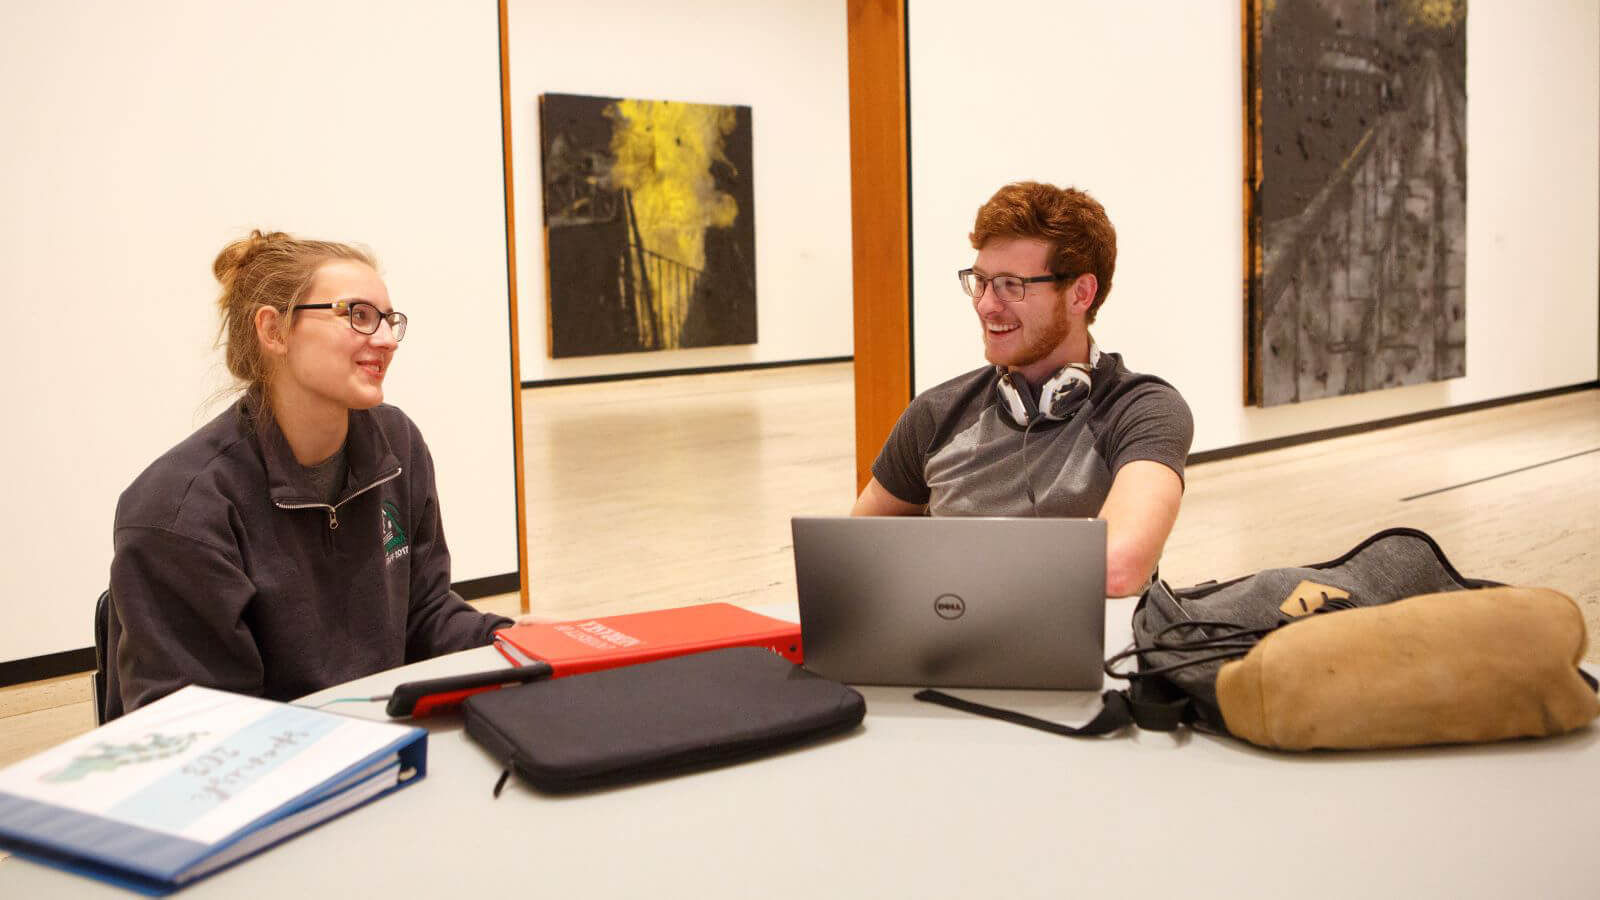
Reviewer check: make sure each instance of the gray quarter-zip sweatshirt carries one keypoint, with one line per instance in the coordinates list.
(231, 572)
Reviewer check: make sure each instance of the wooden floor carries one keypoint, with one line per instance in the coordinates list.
(669, 491)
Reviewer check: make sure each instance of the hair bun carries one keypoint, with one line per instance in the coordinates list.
(240, 253)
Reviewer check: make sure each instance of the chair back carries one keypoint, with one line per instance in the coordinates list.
(97, 681)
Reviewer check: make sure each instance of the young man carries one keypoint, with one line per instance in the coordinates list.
(1054, 427)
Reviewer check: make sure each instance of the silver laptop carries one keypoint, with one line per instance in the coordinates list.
(953, 602)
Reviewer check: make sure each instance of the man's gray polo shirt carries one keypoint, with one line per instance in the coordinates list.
(957, 451)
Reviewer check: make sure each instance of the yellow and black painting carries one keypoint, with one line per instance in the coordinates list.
(1357, 198)
(649, 224)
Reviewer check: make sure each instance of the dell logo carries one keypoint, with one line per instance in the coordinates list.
(949, 606)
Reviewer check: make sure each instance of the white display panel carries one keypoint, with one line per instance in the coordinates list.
(143, 137)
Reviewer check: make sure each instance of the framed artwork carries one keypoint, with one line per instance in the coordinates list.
(1355, 196)
(649, 213)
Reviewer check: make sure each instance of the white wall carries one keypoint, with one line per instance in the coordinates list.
(142, 137)
(786, 60)
(1140, 104)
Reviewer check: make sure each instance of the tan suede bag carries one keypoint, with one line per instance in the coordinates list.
(1456, 667)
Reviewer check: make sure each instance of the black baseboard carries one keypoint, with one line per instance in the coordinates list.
(1308, 437)
(51, 665)
(75, 662)
(705, 370)
(474, 588)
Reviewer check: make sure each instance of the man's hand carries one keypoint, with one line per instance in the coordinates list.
(875, 500)
(1139, 514)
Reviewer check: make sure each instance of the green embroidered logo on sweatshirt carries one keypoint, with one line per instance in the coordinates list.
(394, 537)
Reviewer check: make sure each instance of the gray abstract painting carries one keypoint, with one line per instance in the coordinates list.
(1356, 199)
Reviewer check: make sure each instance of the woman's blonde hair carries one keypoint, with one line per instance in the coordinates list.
(266, 269)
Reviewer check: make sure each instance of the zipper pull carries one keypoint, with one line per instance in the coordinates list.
(333, 519)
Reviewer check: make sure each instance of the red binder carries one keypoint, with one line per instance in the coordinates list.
(586, 645)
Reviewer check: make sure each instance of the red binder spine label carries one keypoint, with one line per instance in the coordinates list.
(433, 703)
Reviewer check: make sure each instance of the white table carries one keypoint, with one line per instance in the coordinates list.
(928, 802)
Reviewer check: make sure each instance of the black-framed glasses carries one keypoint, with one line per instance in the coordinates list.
(364, 317)
(1010, 288)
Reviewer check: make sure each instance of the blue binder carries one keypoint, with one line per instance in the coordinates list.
(195, 782)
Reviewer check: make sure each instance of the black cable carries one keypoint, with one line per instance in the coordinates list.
(1173, 667)
(1027, 481)
(1234, 642)
(1232, 632)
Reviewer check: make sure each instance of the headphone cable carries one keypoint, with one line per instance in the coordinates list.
(1027, 479)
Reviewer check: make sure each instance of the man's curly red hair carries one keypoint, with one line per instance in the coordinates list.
(1073, 223)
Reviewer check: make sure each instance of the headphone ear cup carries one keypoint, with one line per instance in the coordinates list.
(1017, 404)
(1066, 391)
(1066, 403)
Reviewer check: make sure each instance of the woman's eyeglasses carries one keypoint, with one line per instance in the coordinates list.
(363, 316)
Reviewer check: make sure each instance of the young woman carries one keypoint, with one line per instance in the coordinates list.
(293, 542)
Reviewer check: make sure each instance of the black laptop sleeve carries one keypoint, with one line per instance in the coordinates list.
(657, 718)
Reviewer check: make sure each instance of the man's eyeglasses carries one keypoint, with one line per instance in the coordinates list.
(1010, 288)
(363, 316)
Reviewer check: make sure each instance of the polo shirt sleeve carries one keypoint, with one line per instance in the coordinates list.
(1155, 424)
(900, 465)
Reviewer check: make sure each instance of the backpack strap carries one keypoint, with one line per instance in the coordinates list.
(1153, 704)
(1159, 705)
(1114, 715)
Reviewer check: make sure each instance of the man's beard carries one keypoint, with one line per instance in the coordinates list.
(1057, 330)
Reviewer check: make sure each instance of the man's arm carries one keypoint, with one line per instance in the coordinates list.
(875, 500)
(1139, 514)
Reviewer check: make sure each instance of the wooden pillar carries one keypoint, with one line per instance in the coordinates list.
(880, 215)
(511, 288)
